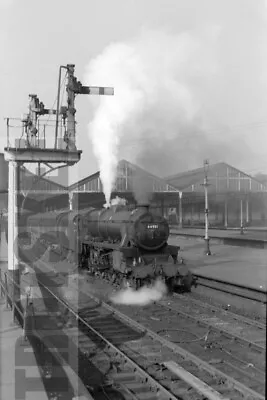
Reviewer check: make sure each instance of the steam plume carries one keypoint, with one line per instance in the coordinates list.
(142, 187)
(117, 201)
(181, 98)
(141, 297)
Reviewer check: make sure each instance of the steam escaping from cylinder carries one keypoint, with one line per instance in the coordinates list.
(141, 297)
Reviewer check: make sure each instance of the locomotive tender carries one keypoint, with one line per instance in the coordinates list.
(126, 246)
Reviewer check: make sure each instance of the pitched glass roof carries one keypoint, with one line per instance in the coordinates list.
(222, 178)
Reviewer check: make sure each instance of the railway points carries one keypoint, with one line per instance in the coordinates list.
(108, 329)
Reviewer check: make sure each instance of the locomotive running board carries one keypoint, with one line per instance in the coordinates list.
(127, 251)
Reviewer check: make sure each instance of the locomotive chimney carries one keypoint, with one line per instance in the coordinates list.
(144, 206)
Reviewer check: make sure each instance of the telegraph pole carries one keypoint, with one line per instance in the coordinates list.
(241, 218)
(180, 210)
(206, 185)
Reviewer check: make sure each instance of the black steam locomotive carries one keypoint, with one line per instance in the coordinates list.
(123, 245)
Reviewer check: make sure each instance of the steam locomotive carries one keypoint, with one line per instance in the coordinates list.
(126, 246)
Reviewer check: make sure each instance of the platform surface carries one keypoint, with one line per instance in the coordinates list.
(241, 265)
(17, 362)
(250, 234)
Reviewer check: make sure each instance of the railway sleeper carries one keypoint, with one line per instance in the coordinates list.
(124, 376)
(132, 376)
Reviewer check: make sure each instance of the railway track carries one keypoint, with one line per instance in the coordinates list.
(159, 357)
(105, 339)
(241, 327)
(246, 292)
(245, 330)
(227, 351)
(230, 341)
(248, 332)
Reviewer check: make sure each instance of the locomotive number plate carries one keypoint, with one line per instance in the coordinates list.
(152, 226)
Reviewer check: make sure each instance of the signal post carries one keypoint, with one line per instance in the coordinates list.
(32, 153)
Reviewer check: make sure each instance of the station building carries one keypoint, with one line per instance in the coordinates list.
(232, 195)
(88, 192)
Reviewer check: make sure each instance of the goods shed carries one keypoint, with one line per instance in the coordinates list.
(233, 196)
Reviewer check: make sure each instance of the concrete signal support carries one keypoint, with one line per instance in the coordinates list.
(13, 231)
(16, 157)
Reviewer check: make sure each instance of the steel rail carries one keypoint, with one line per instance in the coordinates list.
(236, 294)
(233, 284)
(240, 387)
(216, 309)
(220, 330)
(212, 326)
(207, 323)
(135, 366)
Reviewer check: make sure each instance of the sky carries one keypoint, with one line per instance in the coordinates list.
(189, 77)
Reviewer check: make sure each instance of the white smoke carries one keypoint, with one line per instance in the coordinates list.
(180, 98)
(141, 297)
(118, 201)
(115, 202)
(106, 128)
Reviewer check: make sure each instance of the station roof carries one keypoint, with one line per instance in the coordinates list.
(222, 178)
(126, 173)
(39, 188)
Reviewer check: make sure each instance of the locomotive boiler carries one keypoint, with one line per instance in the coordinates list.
(126, 246)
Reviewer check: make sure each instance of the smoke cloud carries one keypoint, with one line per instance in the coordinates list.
(181, 98)
(142, 187)
(118, 201)
(141, 297)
